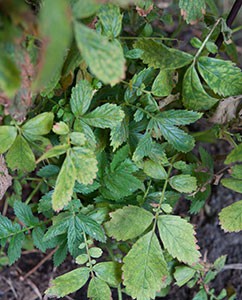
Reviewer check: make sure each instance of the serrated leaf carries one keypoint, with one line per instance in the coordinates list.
(14, 248)
(183, 183)
(64, 185)
(178, 238)
(178, 117)
(7, 227)
(20, 156)
(85, 163)
(237, 171)
(81, 97)
(111, 20)
(98, 290)
(163, 84)
(119, 157)
(74, 235)
(7, 137)
(193, 93)
(235, 155)
(104, 58)
(58, 228)
(85, 8)
(105, 116)
(221, 76)
(154, 170)
(82, 127)
(144, 268)
(39, 125)
(158, 55)
(24, 213)
(56, 36)
(54, 151)
(192, 11)
(38, 235)
(128, 222)
(183, 274)
(109, 272)
(143, 148)
(76, 279)
(233, 184)
(48, 171)
(119, 134)
(60, 253)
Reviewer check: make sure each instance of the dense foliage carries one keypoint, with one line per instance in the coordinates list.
(96, 104)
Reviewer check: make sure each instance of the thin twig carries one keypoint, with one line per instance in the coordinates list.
(233, 267)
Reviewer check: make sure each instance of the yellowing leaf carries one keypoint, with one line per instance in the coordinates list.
(178, 238)
(68, 283)
(192, 11)
(128, 222)
(144, 269)
(98, 290)
(7, 137)
(163, 84)
(104, 58)
(231, 217)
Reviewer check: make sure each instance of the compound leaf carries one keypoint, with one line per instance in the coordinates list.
(98, 289)
(231, 217)
(7, 137)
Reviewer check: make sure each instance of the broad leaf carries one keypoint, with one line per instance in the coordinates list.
(183, 274)
(163, 84)
(98, 290)
(158, 55)
(183, 183)
(178, 238)
(119, 134)
(104, 58)
(76, 279)
(192, 11)
(154, 169)
(20, 156)
(105, 116)
(109, 271)
(64, 185)
(85, 8)
(143, 148)
(128, 222)
(144, 269)
(81, 97)
(233, 184)
(193, 93)
(39, 125)
(235, 155)
(7, 137)
(221, 76)
(237, 171)
(231, 217)
(54, 152)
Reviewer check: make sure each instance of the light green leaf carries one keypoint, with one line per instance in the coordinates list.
(221, 76)
(105, 116)
(109, 271)
(201, 295)
(111, 20)
(143, 148)
(235, 155)
(104, 58)
(82, 259)
(178, 117)
(98, 290)
(39, 125)
(82, 127)
(163, 84)
(192, 11)
(54, 152)
(158, 55)
(64, 185)
(154, 170)
(81, 97)
(183, 183)
(233, 184)
(61, 128)
(85, 163)
(76, 279)
(56, 36)
(237, 171)
(77, 138)
(178, 238)
(95, 252)
(193, 93)
(145, 269)
(20, 156)
(7, 137)
(183, 274)
(119, 134)
(85, 8)
(128, 222)
(24, 213)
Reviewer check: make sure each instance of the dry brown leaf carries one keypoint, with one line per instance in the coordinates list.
(5, 178)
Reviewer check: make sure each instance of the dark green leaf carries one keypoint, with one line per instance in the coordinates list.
(24, 213)
(14, 248)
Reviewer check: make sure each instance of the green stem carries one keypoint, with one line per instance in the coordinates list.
(147, 38)
(33, 192)
(119, 293)
(140, 108)
(135, 87)
(88, 254)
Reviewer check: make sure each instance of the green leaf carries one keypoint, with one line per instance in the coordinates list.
(61, 253)
(20, 156)
(82, 127)
(77, 138)
(221, 76)
(39, 125)
(201, 295)
(74, 235)
(119, 134)
(98, 290)
(183, 274)
(235, 155)
(82, 259)
(24, 213)
(81, 97)
(145, 269)
(76, 279)
(64, 185)
(128, 222)
(109, 272)
(192, 11)
(163, 84)
(143, 148)
(193, 93)
(56, 36)
(7, 137)
(85, 163)
(158, 55)
(38, 235)
(85, 8)
(54, 151)
(61, 128)
(95, 252)
(178, 238)
(119, 157)
(104, 58)
(233, 184)
(178, 117)
(14, 248)
(154, 170)
(237, 171)
(183, 183)
(105, 116)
